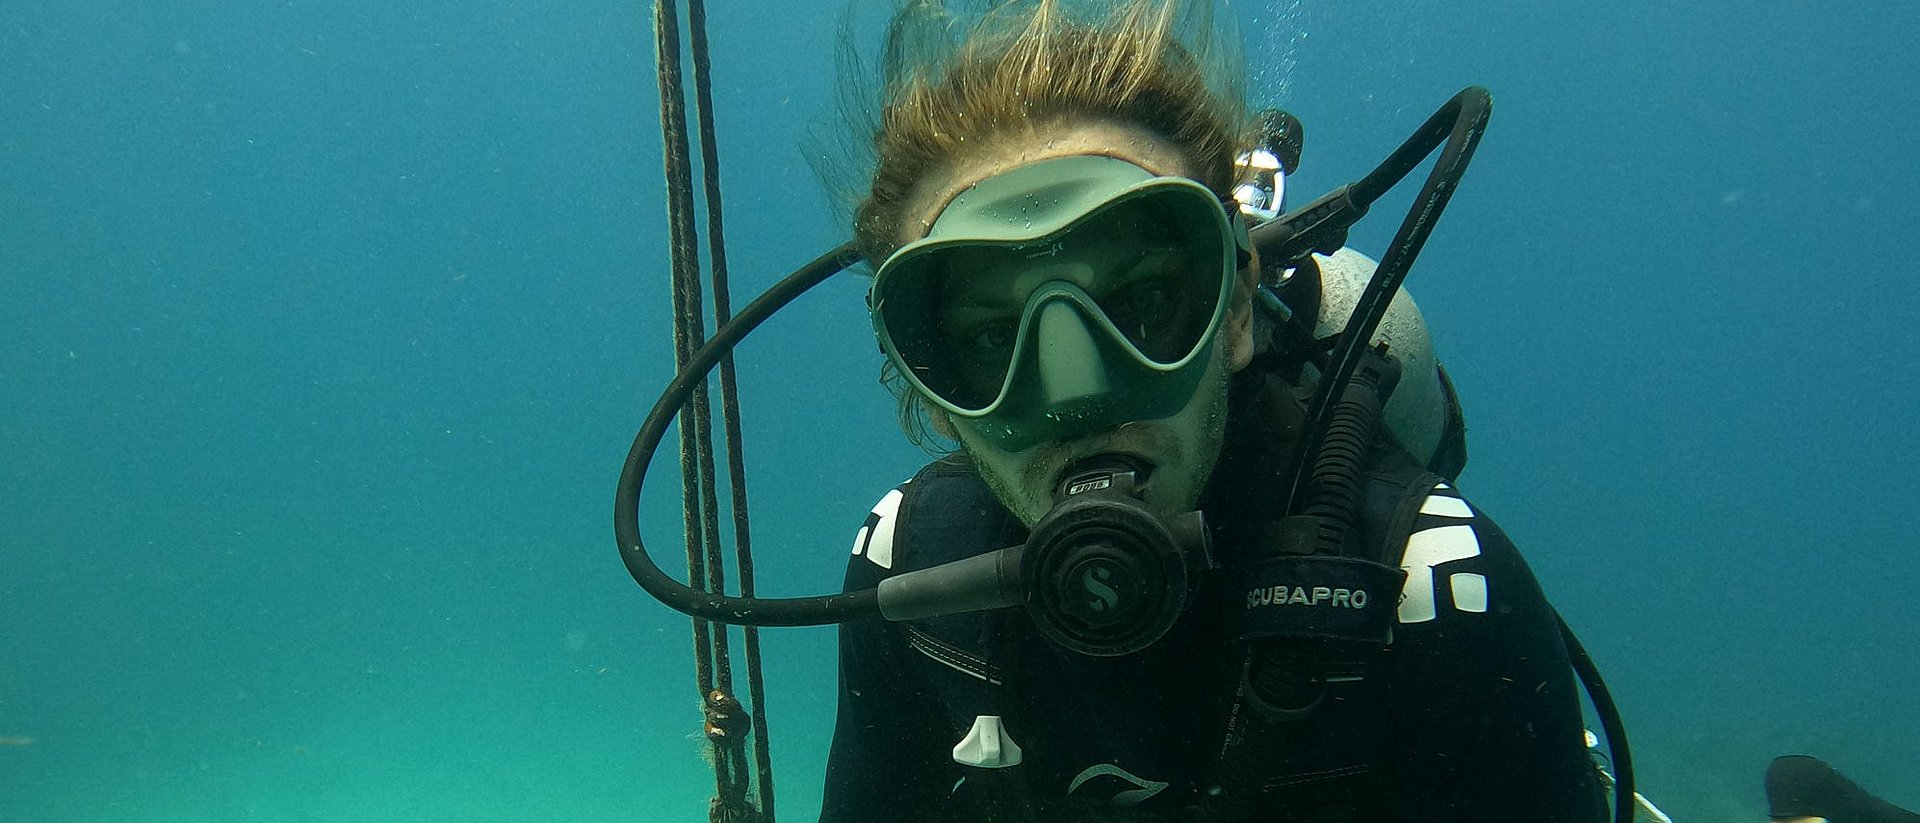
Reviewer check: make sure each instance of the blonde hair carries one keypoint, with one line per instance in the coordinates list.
(952, 83)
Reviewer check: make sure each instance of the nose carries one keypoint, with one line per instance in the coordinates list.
(1071, 369)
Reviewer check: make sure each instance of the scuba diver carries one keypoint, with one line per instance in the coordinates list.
(1065, 287)
(1199, 554)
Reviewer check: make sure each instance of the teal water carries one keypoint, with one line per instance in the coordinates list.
(328, 324)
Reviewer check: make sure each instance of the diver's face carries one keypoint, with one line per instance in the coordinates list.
(1180, 449)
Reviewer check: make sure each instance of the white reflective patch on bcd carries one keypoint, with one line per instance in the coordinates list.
(1425, 550)
(1469, 592)
(1439, 506)
(877, 535)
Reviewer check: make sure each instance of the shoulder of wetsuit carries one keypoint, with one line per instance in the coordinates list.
(908, 528)
(947, 513)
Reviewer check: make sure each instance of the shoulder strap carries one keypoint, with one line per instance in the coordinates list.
(1394, 497)
(1451, 456)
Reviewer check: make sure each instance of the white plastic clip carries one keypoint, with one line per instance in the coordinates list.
(987, 745)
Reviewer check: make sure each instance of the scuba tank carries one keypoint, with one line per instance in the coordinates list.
(1423, 408)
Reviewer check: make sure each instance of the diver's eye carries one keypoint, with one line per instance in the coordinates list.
(1147, 297)
(992, 337)
(1143, 304)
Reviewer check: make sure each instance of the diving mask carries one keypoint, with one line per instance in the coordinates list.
(1061, 297)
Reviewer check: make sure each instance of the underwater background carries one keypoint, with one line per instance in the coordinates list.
(327, 326)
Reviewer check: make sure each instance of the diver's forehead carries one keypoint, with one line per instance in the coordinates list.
(1131, 142)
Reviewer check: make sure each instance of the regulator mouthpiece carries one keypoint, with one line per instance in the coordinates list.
(1107, 577)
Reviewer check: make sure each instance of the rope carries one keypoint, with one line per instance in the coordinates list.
(685, 261)
(727, 724)
(729, 394)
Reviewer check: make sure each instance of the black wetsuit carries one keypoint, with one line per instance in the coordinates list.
(1478, 712)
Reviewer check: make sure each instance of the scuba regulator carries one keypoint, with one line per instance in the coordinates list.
(1110, 578)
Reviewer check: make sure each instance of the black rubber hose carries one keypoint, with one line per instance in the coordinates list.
(795, 611)
(1333, 492)
(1610, 724)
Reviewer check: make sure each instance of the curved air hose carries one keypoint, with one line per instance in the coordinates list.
(1616, 731)
(757, 611)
